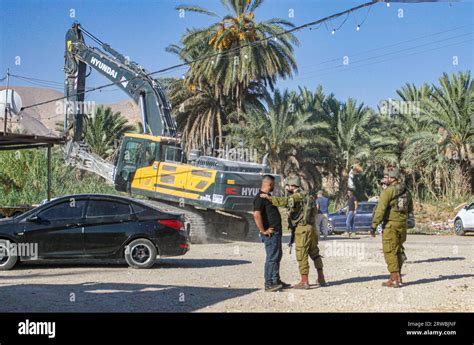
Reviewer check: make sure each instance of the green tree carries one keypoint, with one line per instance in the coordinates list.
(450, 110)
(439, 152)
(240, 69)
(285, 132)
(23, 176)
(104, 129)
(350, 123)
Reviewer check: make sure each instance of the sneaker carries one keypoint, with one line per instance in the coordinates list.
(273, 287)
(284, 285)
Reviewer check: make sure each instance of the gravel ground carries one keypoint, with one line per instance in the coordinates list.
(227, 277)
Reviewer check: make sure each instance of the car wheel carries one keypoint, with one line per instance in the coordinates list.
(140, 253)
(379, 229)
(330, 228)
(458, 227)
(7, 262)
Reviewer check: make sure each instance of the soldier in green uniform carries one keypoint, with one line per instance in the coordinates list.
(302, 216)
(394, 206)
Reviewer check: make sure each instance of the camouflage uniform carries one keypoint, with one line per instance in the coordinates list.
(302, 215)
(394, 206)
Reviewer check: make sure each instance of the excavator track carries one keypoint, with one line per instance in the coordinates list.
(205, 224)
(209, 225)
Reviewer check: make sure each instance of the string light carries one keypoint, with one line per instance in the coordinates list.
(333, 31)
(363, 21)
(388, 4)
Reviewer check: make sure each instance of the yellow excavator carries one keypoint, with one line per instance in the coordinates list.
(215, 194)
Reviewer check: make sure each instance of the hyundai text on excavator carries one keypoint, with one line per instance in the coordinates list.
(215, 194)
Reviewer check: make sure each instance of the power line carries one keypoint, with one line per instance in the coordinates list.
(390, 53)
(381, 61)
(46, 83)
(390, 45)
(188, 63)
(37, 79)
(55, 87)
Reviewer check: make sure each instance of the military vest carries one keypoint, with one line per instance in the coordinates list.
(301, 212)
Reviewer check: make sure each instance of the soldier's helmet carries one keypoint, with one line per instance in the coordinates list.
(394, 172)
(293, 181)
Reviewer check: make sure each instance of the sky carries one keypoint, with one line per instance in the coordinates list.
(396, 44)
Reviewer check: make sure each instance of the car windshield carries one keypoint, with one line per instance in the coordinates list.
(27, 213)
(366, 208)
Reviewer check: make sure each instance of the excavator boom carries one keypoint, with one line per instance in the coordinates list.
(128, 75)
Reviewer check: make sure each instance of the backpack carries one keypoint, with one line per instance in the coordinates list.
(401, 199)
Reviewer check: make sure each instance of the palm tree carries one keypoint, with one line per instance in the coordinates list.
(349, 122)
(199, 113)
(439, 151)
(238, 67)
(450, 110)
(285, 132)
(104, 129)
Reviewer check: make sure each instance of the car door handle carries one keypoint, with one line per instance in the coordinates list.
(70, 225)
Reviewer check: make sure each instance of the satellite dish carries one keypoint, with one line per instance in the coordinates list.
(11, 99)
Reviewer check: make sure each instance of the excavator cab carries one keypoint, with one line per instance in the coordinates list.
(140, 151)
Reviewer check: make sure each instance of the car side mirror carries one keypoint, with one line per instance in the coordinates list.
(34, 219)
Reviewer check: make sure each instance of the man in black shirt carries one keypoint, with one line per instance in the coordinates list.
(268, 220)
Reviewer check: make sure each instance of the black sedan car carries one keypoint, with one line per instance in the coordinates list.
(92, 226)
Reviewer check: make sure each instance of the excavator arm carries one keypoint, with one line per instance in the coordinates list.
(129, 76)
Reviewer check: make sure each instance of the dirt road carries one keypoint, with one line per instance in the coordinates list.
(227, 277)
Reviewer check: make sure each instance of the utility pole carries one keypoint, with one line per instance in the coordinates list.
(6, 105)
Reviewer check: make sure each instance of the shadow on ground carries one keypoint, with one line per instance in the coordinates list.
(34, 276)
(163, 263)
(437, 260)
(357, 280)
(436, 279)
(405, 281)
(112, 297)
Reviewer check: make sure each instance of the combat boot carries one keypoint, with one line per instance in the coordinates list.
(303, 284)
(399, 279)
(321, 280)
(392, 281)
